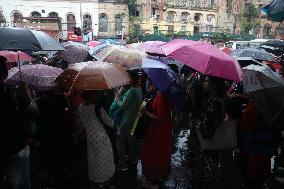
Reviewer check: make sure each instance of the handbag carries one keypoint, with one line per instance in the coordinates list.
(225, 137)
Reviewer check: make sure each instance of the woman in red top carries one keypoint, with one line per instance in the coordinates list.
(156, 150)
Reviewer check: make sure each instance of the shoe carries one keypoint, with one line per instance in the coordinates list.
(122, 168)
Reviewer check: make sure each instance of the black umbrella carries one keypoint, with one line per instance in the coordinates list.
(275, 47)
(257, 54)
(20, 39)
(246, 61)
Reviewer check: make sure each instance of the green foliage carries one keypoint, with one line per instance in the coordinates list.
(135, 33)
(248, 18)
(222, 37)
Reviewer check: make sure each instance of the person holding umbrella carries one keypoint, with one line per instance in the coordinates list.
(156, 150)
(14, 154)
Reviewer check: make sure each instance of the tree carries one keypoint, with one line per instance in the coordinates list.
(134, 29)
(249, 18)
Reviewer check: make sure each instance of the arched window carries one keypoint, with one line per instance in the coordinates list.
(103, 23)
(35, 14)
(209, 18)
(71, 22)
(197, 17)
(118, 23)
(17, 17)
(171, 16)
(87, 20)
(53, 15)
(184, 16)
(267, 30)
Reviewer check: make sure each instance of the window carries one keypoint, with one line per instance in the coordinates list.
(35, 14)
(211, 2)
(171, 28)
(266, 30)
(71, 22)
(53, 15)
(196, 30)
(229, 5)
(156, 29)
(197, 17)
(17, 17)
(183, 28)
(171, 16)
(209, 18)
(103, 23)
(154, 12)
(118, 23)
(87, 22)
(184, 16)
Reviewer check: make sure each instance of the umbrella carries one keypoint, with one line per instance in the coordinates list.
(246, 61)
(93, 43)
(152, 47)
(166, 80)
(275, 10)
(128, 58)
(167, 48)
(13, 38)
(226, 50)
(37, 76)
(257, 54)
(208, 60)
(93, 75)
(75, 52)
(266, 87)
(12, 56)
(275, 47)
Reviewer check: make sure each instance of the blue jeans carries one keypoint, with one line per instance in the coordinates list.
(15, 170)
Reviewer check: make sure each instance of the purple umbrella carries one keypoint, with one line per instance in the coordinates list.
(37, 76)
(166, 80)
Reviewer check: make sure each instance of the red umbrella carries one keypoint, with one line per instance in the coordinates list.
(93, 43)
(226, 50)
(12, 56)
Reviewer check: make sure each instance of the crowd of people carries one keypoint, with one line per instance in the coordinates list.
(93, 134)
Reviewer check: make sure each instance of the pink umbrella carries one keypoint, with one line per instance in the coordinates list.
(12, 56)
(93, 43)
(167, 48)
(207, 59)
(152, 47)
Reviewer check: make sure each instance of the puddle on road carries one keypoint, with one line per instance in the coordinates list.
(179, 173)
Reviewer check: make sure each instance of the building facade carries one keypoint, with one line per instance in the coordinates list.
(173, 16)
(59, 17)
(113, 19)
(229, 19)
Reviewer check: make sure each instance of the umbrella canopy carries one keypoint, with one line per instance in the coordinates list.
(257, 54)
(93, 43)
(152, 47)
(75, 52)
(166, 80)
(12, 56)
(275, 47)
(13, 38)
(37, 76)
(128, 58)
(258, 77)
(246, 61)
(93, 75)
(177, 44)
(208, 60)
(265, 87)
(275, 10)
